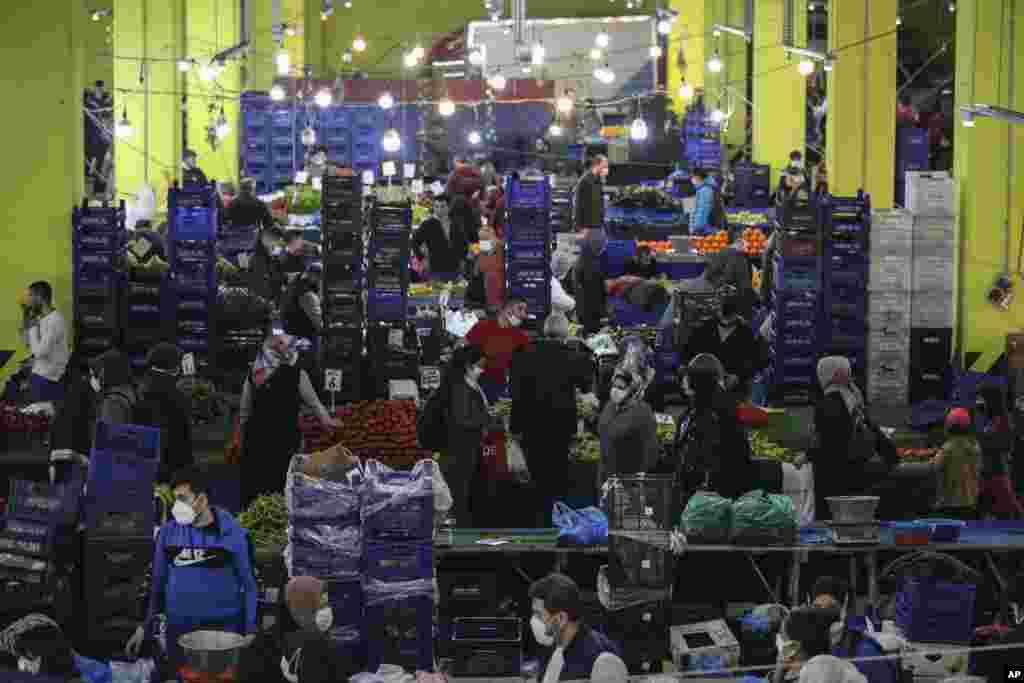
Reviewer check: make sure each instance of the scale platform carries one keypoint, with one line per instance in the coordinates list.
(855, 533)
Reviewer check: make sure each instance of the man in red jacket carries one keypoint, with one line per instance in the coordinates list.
(465, 179)
(499, 339)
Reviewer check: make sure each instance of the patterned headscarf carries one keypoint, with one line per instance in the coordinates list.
(836, 376)
(278, 350)
(635, 368)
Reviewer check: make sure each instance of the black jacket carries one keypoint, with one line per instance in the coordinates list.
(731, 267)
(465, 223)
(591, 291)
(72, 427)
(445, 254)
(162, 405)
(581, 654)
(544, 380)
(588, 206)
(634, 267)
(743, 354)
(249, 211)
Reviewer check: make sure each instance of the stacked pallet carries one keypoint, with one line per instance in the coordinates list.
(528, 246)
(889, 308)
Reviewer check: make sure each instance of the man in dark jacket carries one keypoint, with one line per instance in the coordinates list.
(591, 289)
(163, 406)
(443, 246)
(545, 378)
(731, 267)
(642, 265)
(301, 309)
(247, 209)
(570, 647)
(588, 207)
(730, 339)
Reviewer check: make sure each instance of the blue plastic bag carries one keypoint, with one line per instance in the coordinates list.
(588, 526)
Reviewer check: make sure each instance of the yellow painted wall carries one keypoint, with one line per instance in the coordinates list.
(989, 199)
(734, 54)
(98, 43)
(44, 68)
(687, 45)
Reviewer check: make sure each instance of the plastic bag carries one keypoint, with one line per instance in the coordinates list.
(759, 517)
(588, 526)
(381, 592)
(517, 462)
(140, 671)
(707, 518)
(321, 499)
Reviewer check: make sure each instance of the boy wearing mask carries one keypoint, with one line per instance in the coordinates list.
(959, 463)
(45, 333)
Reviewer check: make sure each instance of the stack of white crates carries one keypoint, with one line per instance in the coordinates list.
(889, 306)
(934, 271)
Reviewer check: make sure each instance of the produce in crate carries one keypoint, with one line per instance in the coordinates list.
(639, 197)
(266, 520)
(710, 244)
(756, 279)
(755, 241)
(587, 448)
(657, 247)
(761, 447)
(749, 218)
(382, 430)
(916, 454)
(335, 455)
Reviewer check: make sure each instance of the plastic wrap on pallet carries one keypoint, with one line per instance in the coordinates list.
(387, 488)
(382, 592)
(308, 498)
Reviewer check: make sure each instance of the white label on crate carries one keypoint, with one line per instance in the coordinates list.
(430, 378)
(188, 365)
(332, 380)
(664, 419)
(417, 186)
(436, 187)
(396, 338)
(318, 183)
(645, 564)
(649, 511)
(272, 595)
(389, 169)
(301, 177)
(410, 173)
(647, 615)
(368, 178)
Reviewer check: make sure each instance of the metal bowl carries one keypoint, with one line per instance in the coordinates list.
(211, 652)
(853, 509)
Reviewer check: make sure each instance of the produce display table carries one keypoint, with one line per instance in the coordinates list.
(518, 542)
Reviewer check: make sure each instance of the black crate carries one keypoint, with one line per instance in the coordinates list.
(931, 350)
(641, 502)
(106, 639)
(108, 561)
(343, 342)
(928, 387)
(387, 339)
(486, 660)
(637, 563)
(342, 268)
(344, 243)
(468, 593)
(642, 631)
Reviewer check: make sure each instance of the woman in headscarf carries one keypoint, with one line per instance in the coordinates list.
(437, 241)
(272, 396)
(561, 264)
(627, 426)
(492, 265)
(112, 379)
(844, 456)
(590, 282)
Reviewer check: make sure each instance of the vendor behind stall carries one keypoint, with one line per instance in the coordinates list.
(438, 242)
(731, 340)
(730, 267)
(247, 209)
(588, 199)
(499, 340)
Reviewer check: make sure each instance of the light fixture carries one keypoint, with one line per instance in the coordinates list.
(685, 91)
(284, 63)
(277, 92)
(346, 56)
(828, 65)
(308, 137)
(596, 54)
(537, 55)
(715, 64)
(655, 52)
(717, 116)
(638, 130)
(445, 107)
(664, 27)
(555, 130)
(391, 142)
(968, 117)
(716, 32)
(359, 44)
(410, 60)
(899, 21)
(476, 57)
(323, 98)
(564, 104)
(604, 74)
(497, 82)
(222, 128)
(184, 65)
(124, 129)
(289, 30)
(474, 138)
(327, 11)
(419, 52)
(98, 14)
(208, 73)
(348, 4)
(602, 39)
(970, 113)
(386, 101)
(951, 7)
(806, 67)
(527, 69)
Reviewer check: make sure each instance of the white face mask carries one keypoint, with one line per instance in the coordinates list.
(540, 632)
(29, 666)
(515, 321)
(184, 514)
(94, 382)
(618, 395)
(486, 246)
(324, 619)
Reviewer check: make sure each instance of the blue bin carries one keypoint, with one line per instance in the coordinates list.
(394, 562)
(401, 631)
(936, 611)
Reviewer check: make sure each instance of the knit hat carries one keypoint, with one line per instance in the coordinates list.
(164, 356)
(302, 595)
(958, 418)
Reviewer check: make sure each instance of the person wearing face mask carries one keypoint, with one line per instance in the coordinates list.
(439, 244)
(732, 341)
(850, 636)
(162, 405)
(590, 282)
(498, 341)
(561, 301)
(491, 263)
(316, 163)
(266, 279)
(310, 656)
(627, 426)
(45, 333)
(41, 649)
(570, 648)
(112, 379)
(588, 198)
(805, 645)
(467, 418)
(203, 576)
(730, 267)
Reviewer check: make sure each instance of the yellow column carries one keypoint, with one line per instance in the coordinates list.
(988, 169)
(260, 66)
(314, 37)
(148, 43)
(861, 126)
(43, 68)
(686, 50)
(735, 57)
(213, 26)
(295, 11)
(780, 92)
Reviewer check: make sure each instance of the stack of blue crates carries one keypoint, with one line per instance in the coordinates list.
(911, 155)
(336, 132)
(753, 185)
(123, 467)
(285, 157)
(341, 220)
(398, 525)
(192, 251)
(561, 203)
(387, 281)
(846, 226)
(796, 309)
(255, 144)
(366, 137)
(702, 145)
(528, 246)
(99, 244)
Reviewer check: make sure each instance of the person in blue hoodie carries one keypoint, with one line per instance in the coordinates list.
(701, 218)
(850, 637)
(203, 577)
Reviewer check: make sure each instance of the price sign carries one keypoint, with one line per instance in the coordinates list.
(300, 178)
(663, 419)
(368, 178)
(389, 169)
(318, 183)
(410, 172)
(430, 378)
(417, 186)
(188, 365)
(396, 338)
(332, 380)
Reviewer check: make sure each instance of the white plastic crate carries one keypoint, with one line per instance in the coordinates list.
(889, 273)
(930, 194)
(932, 309)
(884, 339)
(895, 301)
(933, 274)
(883, 220)
(934, 237)
(892, 243)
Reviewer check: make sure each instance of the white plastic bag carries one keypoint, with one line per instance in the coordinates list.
(517, 461)
(140, 671)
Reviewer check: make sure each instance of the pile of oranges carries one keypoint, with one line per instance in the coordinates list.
(755, 241)
(711, 244)
(657, 247)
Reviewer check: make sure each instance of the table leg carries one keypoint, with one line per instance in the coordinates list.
(760, 574)
(871, 562)
(794, 577)
(1004, 591)
(853, 574)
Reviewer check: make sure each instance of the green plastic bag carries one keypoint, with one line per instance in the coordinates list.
(707, 518)
(759, 517)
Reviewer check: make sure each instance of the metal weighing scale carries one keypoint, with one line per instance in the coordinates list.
(855, 533)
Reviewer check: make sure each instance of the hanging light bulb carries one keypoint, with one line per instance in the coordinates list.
(605, 75)
(497, 82)
(602, 39)
(410, 60)
(715, 64)
(323, 98)
(555, 130)
(419, 52)
(223, 129)
(596, 54)
(386, 101)
(899, 21)
(828, 65)
(124, 129)
(806, 67)
(184, 65)
(685, 91)
(359, 44)
(289, 30)
(638, 130)
(308, 137)
(655, 52)
(527, 69)
(348, 4)
(277, 92)
(476, 57)
(474, 138)
(564, 104)
(951, 7)
(347, 57)
(391, 142)
(538, 54)
(284, 63)
(208, 73)
(664, 27)
(717, 116)
(446, 107)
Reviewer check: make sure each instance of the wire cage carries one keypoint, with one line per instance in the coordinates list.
(640, 502)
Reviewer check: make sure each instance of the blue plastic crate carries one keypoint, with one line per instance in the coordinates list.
(337, 117)
(346, 599)
(796, 279)
(401, 632)
(119, 496)
(936, 611)
(528, 252)
(666, 366)
(791, 304)
(139, 442)
(854, 277)
(528, 193)
(528, 272)
(394, 562)
(625, 314)
(386, 306)
(56, 504)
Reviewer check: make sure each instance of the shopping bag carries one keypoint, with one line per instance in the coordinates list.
(759, 517)
(707, 518)
(517, 461)
(494, 458)
(233, 452)
(588, 526)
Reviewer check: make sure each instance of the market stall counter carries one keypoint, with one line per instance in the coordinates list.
(510, 544)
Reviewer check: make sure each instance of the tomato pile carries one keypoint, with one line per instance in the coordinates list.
(755, 241)
(381, 430)
(657, 247)
(916, 454)
(711, 244)
(13, 420)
